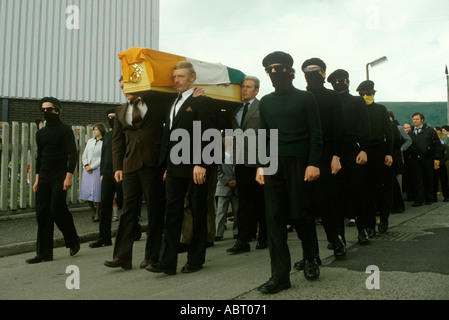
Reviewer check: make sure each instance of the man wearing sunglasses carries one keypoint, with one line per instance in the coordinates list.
(379, 156)
(332, 124)
(55, 162)
(354, 156)
(295, 116)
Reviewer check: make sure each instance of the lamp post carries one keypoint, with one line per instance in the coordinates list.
(447, 82)
(373, 64)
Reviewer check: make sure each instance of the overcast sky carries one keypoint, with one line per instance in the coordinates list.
(346, 34)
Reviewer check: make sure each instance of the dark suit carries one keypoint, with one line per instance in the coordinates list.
(179, 182)
(251, 209)
(135, 150)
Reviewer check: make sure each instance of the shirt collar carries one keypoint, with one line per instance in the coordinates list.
(187, 93)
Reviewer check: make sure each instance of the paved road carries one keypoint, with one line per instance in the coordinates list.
(412, 259)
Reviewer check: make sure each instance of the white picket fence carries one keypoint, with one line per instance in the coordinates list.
(18, 150)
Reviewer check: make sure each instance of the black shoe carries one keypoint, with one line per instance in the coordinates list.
(38, 259)
(218, 238)
(158, 268)
(274, 286)
(311, 269)
(75, 248)
(262, 245)
(300, 264)
(363, 237)
(417, 204)
(100, 243)
(239, 247)
(383, 226)
(189, 268)
(339, 248)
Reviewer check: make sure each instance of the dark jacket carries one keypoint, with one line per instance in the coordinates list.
(136, 146)
(331, 117)
(426, 144)
(193, 109)
(357, 122)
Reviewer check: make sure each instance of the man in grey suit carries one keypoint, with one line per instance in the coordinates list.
(226, 192)
(251, 211)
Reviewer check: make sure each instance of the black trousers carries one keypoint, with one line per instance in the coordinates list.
(51, 208)
(322, 194)
(398, 201)
(108, 189)
(288, 201)
(251, 210)
(423, 170)
(373, 180)
(147, 181)
(441, 176)
(176, 190)
(348, 191)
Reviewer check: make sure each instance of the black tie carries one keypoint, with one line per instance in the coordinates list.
(245, 110)
(174, 107)
(137, 118)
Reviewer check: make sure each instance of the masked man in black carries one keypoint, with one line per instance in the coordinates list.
(349, 199)
(332, 124)
(294, 115)
(56, 160)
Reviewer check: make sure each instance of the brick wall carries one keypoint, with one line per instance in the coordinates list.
(73, 113)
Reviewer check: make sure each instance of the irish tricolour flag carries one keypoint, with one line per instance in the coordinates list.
(159, 66)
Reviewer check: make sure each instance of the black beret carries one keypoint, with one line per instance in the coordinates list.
(314, 62)
(366, 85)
(112, 110)
(278, 57)
(55, 102)
(338, 74)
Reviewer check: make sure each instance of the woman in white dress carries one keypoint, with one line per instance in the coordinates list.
(90, 188)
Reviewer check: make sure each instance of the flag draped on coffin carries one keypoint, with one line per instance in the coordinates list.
(147, 69)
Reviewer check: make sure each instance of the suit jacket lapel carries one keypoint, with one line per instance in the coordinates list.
(254, 107)
(122, 116)
(181, 110)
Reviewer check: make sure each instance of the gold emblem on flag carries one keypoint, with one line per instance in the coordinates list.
(136, 73)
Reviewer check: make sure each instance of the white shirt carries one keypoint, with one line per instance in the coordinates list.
(92, 153)
(178, 105)
(129, 111)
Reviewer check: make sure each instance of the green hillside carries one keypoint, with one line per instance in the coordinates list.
(435, 113)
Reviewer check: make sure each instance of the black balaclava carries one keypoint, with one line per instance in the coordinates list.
(314, 79)
(281, 80)
(110, 121)
(340, 87)
(51, 118)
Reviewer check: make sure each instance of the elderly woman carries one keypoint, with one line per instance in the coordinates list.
(90, 189)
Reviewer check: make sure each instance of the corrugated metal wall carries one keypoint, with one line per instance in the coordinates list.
(40, 55)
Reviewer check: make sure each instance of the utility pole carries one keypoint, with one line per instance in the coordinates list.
(447, 82)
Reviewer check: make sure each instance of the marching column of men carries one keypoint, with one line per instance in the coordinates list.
(335, 157)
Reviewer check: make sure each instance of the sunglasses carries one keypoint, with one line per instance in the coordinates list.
(312, 69)
(366, 94)
(49, 109)
(277, 68)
